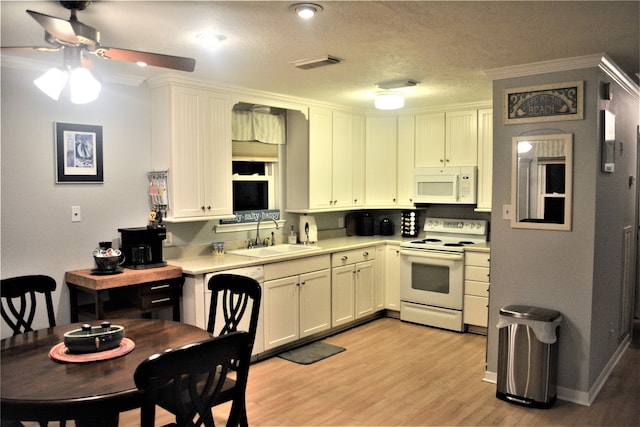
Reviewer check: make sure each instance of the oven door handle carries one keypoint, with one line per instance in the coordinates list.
(429, 254)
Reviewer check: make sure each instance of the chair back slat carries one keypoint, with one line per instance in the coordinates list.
(19, 300)
(231, 295)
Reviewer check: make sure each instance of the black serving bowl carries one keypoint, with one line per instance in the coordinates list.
(91, 339)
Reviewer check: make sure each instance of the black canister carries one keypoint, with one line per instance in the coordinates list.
(386, 227)
(365, 225)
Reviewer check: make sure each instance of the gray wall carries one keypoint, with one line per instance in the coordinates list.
(576, 272)
(38, 236)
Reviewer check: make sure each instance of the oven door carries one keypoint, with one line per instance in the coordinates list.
(432, 278)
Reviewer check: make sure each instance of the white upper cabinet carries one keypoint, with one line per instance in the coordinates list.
(406, 156)
(381, 161)
(485, 158)
(324, 161)
(447, 139)
(191, 137)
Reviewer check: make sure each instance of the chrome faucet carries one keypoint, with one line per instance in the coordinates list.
(258, 229)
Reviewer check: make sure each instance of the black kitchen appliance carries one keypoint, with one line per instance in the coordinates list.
(365, 225)
(386, 227)
(142, 247)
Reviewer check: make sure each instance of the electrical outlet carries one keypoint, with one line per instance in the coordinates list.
(76, 215)
(168, 241)
(340, 222)
(506, 211)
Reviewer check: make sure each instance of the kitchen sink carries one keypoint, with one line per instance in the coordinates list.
(272, 251)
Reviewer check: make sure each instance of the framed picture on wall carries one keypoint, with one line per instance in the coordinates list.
(545, 103)
(78, 153)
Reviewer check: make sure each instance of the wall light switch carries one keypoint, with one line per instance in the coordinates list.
(506, 212)
(76, 215)
(340, 222)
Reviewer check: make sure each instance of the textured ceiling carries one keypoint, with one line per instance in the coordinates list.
(445, 46)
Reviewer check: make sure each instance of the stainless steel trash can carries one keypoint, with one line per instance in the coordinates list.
(528, 355)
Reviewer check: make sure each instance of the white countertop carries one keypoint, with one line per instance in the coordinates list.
(202, 264)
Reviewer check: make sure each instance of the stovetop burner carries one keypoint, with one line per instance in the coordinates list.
(449, 234)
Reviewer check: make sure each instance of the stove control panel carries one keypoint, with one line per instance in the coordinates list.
(453, 225)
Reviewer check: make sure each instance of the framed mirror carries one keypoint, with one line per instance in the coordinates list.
(541, 182)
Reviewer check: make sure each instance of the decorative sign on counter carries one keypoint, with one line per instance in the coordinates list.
(546, 103)
(252, 216)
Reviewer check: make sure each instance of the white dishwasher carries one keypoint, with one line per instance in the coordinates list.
(255, 272)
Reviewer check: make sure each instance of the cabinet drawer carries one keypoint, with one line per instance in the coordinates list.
(277, 270)
(480, 259)
(476, 310)
(147, 302)
(478, 274)
(479, 289)
(155, 288)
(353, 256)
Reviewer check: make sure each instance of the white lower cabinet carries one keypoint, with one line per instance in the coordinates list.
(392, 277)
(297, 299)
(477, 270)
(353, 288)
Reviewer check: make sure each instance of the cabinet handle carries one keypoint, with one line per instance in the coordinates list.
(202, 207)
(344, 258)
(355, 200)
(155, 288)
(441, 161)
(209, 208)
(158, 301)
(365, 253)
(303, 283)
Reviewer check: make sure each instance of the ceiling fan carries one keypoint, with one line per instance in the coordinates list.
(75, 37)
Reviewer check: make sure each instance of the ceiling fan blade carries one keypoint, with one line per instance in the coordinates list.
(59, 28)
(36, 48)
(155, 59)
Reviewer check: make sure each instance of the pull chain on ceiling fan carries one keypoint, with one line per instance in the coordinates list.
(75, 39)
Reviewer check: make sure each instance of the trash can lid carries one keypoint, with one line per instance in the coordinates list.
(530, 313)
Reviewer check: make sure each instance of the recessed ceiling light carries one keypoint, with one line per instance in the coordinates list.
(141, 64)
(209, 39)
(306, 10)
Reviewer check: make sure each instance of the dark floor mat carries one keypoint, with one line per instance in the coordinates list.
(311, 353)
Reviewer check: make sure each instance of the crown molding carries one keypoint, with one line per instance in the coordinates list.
(599, 60)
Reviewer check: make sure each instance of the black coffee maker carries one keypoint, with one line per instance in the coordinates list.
(142, 246)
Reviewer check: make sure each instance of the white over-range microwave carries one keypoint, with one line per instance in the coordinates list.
(450, 185)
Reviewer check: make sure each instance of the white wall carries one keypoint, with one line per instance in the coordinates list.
(38, 236)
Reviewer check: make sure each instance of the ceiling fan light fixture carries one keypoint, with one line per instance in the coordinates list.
(389, 100)
(52, 82)
(84, 87)
(306, 10)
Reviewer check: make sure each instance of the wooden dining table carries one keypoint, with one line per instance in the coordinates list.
(36, 387)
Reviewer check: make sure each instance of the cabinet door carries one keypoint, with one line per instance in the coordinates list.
(392, 277)
(216, 154)
(342, 294)
(430, 140)
(187, 189)
(357, 159)
(485, 158)
(381, 162)
(320, 135)
(364, 289)
(281, 312)
(406, 154)
(315, 302)
(461, 146)
(342, 166)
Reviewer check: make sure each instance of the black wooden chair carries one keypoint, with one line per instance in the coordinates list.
(190, 380)
(18, 307)
(19, 300)
(235, 305)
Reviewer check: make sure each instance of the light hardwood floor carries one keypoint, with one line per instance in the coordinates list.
(399, 374)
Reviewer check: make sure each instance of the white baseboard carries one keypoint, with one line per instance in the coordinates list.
(576, 396)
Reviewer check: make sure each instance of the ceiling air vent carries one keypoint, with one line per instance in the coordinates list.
(307, 64)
